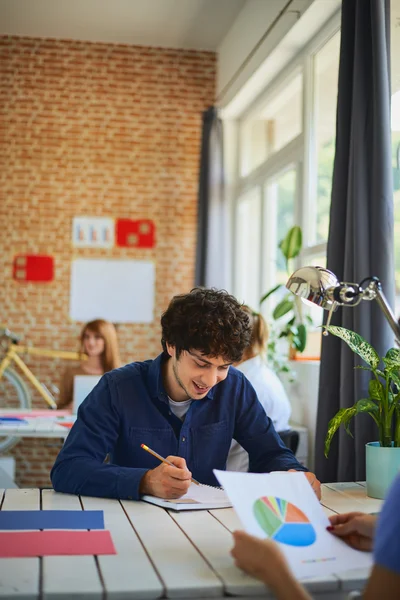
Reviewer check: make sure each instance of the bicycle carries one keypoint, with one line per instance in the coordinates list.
(19, 394)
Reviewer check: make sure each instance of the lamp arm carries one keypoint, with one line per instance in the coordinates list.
(387, 311)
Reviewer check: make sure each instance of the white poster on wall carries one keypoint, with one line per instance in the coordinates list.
(121, 291)
(96, 232)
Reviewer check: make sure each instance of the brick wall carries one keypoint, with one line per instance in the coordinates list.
(103, 130)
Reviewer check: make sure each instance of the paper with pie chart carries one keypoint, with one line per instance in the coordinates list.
(283, 507)
(283, 521)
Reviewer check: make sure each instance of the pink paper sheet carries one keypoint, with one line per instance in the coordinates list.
(55, 543)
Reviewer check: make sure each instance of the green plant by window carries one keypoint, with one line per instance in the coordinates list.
(383, 401)
(294, 329)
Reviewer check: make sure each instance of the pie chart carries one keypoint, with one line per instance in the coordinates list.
(283, 522)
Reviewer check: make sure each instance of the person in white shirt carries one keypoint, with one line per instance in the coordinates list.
(267, 385)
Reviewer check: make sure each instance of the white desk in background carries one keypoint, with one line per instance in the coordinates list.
(159, 553)
(49, 424)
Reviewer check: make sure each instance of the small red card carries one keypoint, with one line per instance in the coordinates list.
(18, 544)
(33, 267)
(135, 234)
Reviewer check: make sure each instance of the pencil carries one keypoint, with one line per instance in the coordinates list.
(164, 460)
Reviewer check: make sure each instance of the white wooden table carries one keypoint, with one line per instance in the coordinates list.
(160, 553)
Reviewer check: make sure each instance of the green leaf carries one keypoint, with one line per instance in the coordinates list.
(302, 337)
(268, 294)
(342, 417)
(366, 405)
(392, 358)
(282, 308)
(396, 378)
(357, 344)
(291, 244)
(376, 390)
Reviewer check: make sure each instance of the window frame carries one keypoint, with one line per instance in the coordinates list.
(300, 151)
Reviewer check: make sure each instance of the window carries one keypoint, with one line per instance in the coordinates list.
(326, 86)
(247, 254)
(273, 125)
(281, 191)
(286, 147)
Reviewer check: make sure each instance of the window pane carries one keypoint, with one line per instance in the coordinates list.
(281, 194)
(284, 193)
(277, 123)
(326, 87)
(247, 257)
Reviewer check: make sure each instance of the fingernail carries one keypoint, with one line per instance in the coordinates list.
(330, 528)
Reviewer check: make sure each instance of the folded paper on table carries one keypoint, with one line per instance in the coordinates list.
(198, 497)
(19, 544)
(51, 519)
(284, 508)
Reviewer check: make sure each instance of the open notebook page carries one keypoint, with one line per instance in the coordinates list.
(197, 497)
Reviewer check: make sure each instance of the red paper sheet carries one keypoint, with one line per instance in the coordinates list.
(55, 543)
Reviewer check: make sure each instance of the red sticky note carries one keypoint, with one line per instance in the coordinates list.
(17, 544)
(33, 267)
(135, 234)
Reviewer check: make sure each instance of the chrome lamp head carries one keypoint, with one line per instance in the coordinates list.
(314, 284)
(321, 287)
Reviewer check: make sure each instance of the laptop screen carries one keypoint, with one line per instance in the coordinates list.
(83, 385)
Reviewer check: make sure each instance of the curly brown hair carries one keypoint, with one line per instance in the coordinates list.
(209, 320)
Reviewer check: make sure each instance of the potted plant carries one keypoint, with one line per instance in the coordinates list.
(382, 404)
(290, 306)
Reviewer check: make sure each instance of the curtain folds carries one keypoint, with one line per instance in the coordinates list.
(360, 242)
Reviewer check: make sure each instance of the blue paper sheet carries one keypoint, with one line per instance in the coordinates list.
(51, 519)
(12, 420)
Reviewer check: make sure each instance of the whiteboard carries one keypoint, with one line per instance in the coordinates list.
(121, 291)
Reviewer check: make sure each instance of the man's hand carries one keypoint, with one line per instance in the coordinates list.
(166, 481)
(356, 529)
(313, 481)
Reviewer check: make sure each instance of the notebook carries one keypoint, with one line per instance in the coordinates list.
(83, 385)
(198, 497)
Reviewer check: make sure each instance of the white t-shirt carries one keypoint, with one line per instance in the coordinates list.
(179, 408)
(274, 400)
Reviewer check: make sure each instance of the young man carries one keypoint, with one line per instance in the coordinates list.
(187, 405)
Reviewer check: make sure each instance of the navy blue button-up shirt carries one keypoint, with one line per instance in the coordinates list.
(129, 407)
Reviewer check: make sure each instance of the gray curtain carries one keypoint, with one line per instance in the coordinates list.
(212, 266)
(360, 242)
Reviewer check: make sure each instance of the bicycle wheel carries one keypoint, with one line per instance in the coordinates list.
(13, 394)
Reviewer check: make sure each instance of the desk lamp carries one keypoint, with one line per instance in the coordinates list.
(321, 287)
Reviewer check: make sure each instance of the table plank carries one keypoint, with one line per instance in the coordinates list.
(128, 574)
(348, 497)
(228, 517)
(68, 576)
(183, 571)
(214, 542)
(20, 577)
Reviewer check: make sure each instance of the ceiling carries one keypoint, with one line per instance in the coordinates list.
(195, 24)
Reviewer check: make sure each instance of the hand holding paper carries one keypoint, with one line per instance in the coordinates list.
(356, 529)
(284, 508)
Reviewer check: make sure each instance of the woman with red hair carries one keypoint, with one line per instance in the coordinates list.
(98, 341)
